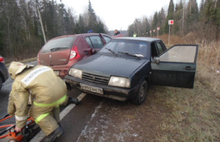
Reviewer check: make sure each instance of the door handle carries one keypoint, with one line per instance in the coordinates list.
(189, 68)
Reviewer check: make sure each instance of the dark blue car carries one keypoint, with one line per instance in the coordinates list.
(125, 67)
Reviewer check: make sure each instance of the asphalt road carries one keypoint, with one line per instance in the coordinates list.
(73, 122)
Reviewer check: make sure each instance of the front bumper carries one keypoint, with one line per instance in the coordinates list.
(112, 92)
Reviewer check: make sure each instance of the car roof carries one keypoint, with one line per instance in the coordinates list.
(147, 39)
(83, 34)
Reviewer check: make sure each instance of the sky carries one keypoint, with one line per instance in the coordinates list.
(119, 14)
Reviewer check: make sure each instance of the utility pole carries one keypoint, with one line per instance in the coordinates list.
(183, 17)
(190, 6)
(215, 3)
(169, 37)
(41, 23)
(158, 29)
(170, 22)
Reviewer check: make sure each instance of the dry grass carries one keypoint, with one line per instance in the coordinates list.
(196, 113)
(168, 115)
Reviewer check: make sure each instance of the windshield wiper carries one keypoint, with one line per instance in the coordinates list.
(111, 51)
(57, 48)
(133, 55)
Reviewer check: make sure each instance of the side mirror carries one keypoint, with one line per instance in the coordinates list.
(87, 52)
(90, 52)
(93, 51)
(156, 60)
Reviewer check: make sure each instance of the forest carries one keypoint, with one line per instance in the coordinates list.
(189, 17)
(21, 33)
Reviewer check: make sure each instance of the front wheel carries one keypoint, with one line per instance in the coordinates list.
(142, 93)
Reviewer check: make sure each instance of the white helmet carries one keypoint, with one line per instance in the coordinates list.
(17, 67)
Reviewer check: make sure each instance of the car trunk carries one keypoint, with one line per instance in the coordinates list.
(55, 58)
(56, 52)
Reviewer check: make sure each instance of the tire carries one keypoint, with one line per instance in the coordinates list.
(142, 93)
(0, 83)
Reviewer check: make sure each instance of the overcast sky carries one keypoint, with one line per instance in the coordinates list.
(119, 14)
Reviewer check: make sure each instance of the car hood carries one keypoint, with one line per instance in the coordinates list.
(109, 65)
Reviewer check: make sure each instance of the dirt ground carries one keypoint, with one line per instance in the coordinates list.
(168, 115)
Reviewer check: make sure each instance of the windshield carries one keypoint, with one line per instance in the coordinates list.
(126, 47)
(58, 44)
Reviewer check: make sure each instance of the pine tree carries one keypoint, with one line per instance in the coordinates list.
(161, 19)
(95, 23)
(212, 16)
(92, 18)
(192, 15)
(170, 15)
(155, 20)
(178, 17)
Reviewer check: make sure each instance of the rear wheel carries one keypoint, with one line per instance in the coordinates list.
(142, 93)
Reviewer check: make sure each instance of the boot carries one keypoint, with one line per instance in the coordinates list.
(55, 134)
(73, 101)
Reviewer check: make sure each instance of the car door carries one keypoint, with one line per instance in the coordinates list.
(176, 67)
(106, 38)
(95, 42)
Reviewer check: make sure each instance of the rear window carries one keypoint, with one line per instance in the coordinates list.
(59, 44)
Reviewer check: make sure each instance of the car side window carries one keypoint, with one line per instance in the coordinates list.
(180, 53)
(107, 39)
(160, 48)
(89, 42)
(96, 41)
(154, 52)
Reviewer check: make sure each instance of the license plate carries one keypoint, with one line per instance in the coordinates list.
(91, 88)
(57, 72)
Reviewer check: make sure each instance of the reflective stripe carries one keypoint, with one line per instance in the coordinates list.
(42, 116)
(33, 74)
(21, 118)
(60, 101)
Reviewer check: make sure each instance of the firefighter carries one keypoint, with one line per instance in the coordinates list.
(47, 92)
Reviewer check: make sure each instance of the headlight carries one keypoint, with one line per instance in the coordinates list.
(119, 82)
(75, 72)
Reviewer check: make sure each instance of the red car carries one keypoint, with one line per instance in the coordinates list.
(62, 52)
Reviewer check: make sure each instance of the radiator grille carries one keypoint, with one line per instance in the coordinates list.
(95, 78)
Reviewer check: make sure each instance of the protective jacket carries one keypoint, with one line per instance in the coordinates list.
(46, 89)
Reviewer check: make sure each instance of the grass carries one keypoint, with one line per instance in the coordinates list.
(195, 114)
(168, 115)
